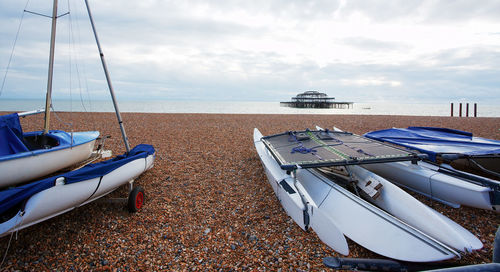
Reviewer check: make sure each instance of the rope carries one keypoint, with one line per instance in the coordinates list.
(70, 28)
(74, 58)
(17, 224)
(301, 148)
(328, 147)
(13, 47)
(82, 90)
(304, 150)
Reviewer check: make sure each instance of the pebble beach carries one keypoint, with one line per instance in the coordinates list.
(208, 206)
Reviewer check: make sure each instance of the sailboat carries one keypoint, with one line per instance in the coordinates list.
(39, 200)
(25, 156)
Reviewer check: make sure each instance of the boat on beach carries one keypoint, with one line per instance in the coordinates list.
(303, 170)
(460, 149)
(32, 202)
(41, 153)
(443, 181)
(29, 204)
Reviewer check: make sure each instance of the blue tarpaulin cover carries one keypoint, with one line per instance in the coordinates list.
(434, 141)
(13, 196)
(11, 135)
(13, 145)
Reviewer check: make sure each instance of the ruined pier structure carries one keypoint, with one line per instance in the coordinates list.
(315, 99)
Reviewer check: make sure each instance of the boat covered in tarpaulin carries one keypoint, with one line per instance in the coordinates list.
(25, 156)
(39, 200)
(448, 145)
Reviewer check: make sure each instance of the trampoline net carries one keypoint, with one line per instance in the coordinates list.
(310, 149)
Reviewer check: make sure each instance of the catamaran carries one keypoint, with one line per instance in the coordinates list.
(441, 176)
(318, 180)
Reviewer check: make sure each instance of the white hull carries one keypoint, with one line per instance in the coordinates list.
(65, 197)
(424, 178)
(405, 207)
(408, 209)
(17, 171)
(334, 211)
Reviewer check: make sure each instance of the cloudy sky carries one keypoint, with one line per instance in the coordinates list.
(259, 50)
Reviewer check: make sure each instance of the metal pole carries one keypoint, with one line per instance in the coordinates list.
(115, 104)
(48, 98)
(451, 113)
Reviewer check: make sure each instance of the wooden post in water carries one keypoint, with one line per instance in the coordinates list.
(460, 110)
(467, 110)
(475, 109)
(451, 112)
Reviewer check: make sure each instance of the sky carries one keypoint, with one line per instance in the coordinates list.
(259, 50)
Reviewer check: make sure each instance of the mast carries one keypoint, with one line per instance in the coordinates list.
(48, 98)
(110, 86)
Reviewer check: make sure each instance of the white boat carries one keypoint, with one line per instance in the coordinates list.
(24, 206)
(441, 184)
(36, 201)
(444, 184)
(459, 149)
(315, 200)
(24, 158)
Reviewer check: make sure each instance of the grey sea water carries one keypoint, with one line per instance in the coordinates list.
(238, 107)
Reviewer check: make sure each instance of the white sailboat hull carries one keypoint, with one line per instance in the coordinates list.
(65, 197)
(334, 211)
(408, 209)
(38, 164)
(423, 178)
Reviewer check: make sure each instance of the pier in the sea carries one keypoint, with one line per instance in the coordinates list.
(315, 99)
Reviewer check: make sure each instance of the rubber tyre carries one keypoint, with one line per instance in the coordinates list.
(135, 199)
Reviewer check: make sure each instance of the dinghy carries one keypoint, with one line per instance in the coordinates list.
(23, 157)
(29, 204)
(30, 155)
(36, 201)
(329, 206)
(440, 182)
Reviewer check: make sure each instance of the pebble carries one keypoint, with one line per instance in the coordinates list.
(208, 206)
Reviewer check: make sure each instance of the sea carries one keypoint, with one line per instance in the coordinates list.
(246, 107)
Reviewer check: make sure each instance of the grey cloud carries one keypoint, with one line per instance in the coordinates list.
(373, 44)
(270, 76)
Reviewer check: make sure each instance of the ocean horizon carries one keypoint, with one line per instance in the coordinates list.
(249, 107)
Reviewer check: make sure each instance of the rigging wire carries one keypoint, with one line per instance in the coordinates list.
(13, 47)
(76, 39)
(70, 69)
(74, 49)
(60, 119)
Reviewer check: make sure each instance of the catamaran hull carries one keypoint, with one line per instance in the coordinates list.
(312, 200)
(44, 162)
(425, 179)
(65, 197)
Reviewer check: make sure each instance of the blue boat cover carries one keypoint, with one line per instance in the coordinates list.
(435, 141)
(13, 145)
(11, 135)
(13, 196)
